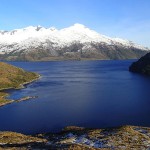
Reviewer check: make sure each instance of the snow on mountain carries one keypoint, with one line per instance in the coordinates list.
(77, 32)
(52, 41)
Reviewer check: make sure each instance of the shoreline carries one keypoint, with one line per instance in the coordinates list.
(26, 83)
(5, 94)
(61, 60)
(21, 85)
(73, 138)
(18, 100)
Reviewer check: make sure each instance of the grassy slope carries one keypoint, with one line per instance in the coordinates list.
(13, 77)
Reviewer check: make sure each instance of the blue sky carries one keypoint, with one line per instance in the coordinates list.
(128, 19)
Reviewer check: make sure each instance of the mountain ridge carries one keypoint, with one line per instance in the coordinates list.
(75, 42)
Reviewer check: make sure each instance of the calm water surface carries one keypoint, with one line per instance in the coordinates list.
(81, 93)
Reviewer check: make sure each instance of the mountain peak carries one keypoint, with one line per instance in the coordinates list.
(78, 25)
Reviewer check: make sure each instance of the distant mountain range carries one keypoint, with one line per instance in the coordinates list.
(76, 43)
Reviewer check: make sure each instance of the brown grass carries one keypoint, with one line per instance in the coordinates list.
(13, 77)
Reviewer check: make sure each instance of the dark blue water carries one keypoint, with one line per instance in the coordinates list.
(81, 93)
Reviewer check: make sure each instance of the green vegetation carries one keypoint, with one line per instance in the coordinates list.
(13, 77)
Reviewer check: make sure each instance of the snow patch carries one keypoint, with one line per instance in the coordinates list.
(83, 139)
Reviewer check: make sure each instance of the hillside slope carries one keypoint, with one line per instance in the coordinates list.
(142, 65)
(13, 77)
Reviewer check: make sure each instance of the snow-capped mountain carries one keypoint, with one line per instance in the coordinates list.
(75, 42)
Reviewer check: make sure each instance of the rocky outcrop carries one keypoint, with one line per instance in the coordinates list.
(75, 51)
(76, 138)
(142, 65)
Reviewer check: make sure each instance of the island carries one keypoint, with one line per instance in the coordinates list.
(141, 66)
(79, 138)
(12, 77)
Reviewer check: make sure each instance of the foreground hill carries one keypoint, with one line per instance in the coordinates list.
(76, 42)
(13, 77)
(76, 138)
(142, 65)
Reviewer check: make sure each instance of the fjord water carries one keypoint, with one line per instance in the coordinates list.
(81, 93)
